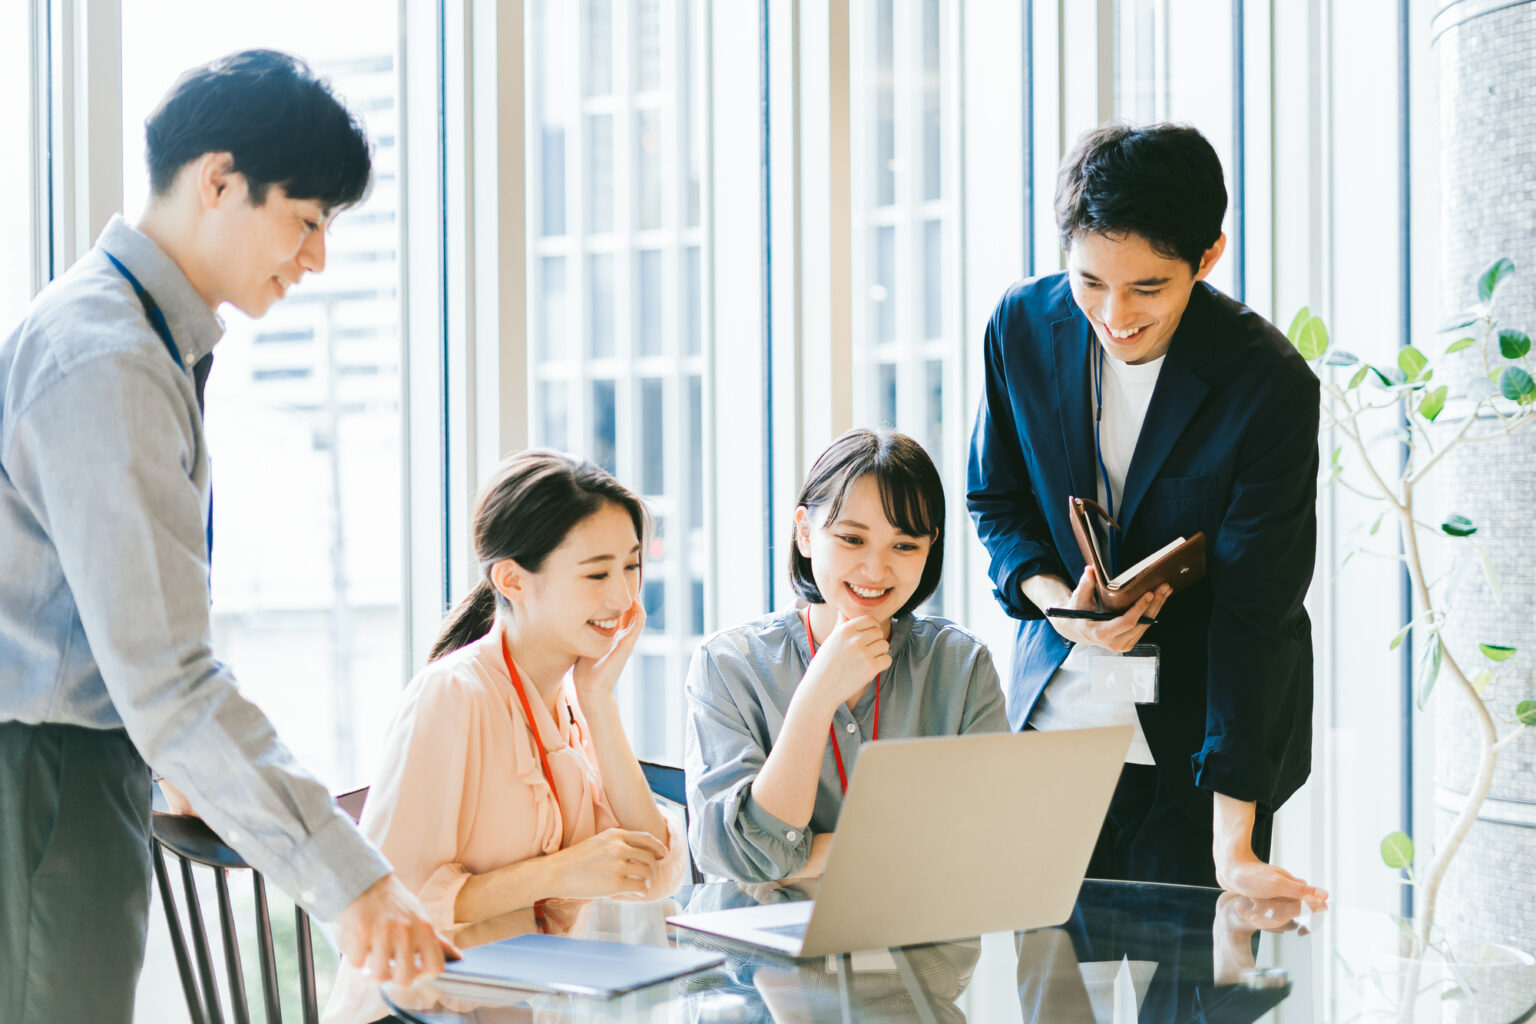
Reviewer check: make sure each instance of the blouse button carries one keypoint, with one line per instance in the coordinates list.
(792, 835)
(852, 728)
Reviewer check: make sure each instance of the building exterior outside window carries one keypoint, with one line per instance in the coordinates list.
(617, 327)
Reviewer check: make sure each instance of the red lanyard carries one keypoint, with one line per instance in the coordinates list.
(538, 741)
(842, 775)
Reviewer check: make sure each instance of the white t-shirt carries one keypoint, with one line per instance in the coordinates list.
(1067, 702)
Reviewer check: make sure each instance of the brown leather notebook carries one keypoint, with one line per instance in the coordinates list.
(1178, 563)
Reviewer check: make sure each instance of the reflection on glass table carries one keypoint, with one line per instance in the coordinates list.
(1129, 953)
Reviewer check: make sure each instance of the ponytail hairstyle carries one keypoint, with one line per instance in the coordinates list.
(524, 512)
(911, 493)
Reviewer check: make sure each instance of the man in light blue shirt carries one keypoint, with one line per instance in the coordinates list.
(105, 648)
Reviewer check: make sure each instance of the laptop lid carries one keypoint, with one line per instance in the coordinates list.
(948, 837)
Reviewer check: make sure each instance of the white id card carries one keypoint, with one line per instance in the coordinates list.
(1118, 678)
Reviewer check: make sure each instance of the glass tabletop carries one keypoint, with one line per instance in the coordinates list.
(1130, 952)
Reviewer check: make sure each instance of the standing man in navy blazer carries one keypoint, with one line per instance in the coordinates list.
(1129, 380)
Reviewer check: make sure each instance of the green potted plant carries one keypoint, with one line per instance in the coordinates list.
(1497, 399)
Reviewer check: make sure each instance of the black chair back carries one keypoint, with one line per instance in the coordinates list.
(191, 841)
(668, 782)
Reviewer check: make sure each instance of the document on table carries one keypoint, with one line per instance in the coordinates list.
(552, 963)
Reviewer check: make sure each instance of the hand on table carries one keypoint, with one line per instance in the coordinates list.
(1247, 875)
(615, 862)
(385, 932)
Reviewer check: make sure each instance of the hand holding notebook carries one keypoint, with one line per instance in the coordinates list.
(1178, 563)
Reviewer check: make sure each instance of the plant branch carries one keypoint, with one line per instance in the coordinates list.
(1488, 733)
(1511, 738)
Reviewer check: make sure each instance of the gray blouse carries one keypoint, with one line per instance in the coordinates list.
(941, 683)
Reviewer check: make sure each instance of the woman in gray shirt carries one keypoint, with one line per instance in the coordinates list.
(780, 707)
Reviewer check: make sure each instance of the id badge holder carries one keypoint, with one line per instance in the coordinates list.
(1132, 676)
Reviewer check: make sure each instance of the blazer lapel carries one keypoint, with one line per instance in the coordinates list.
(1073, 344)
(1180, 390)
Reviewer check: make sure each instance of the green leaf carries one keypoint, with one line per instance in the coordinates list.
(1431, 672)
(1466, 318)
(1397, 641)
(1525, 711)
(1489, 573)
(1480, 681)
(1294, 331)
(1377, 524)
(1514, 344)
(1495, 275)
(1459, 344)
(1397, 850)
(1516, 385)
(1496, 652)
(1480, 389)
(1411, 361)
(1339, 357)
(1359, 377)
(1458, 526)
(1433, 402)
(1313, 341)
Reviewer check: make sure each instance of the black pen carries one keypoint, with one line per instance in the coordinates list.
(1085, 613)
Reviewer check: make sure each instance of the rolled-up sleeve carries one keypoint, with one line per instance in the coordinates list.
(729, 831)
(998, 492)
(1258, 683)
(105, 459)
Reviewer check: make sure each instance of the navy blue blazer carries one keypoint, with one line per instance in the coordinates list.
(1229, 446)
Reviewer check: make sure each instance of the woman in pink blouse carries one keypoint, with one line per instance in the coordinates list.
(508, 786)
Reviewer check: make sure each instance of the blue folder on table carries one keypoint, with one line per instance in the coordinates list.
(587, 967)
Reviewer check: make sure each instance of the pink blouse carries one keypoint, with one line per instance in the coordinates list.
(461, 792)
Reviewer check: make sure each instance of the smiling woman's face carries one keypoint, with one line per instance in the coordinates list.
(862, 564)
(1133, 296)
(577, 599)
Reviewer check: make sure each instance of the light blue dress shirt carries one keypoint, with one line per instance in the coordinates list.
(941, 683)
(104, 619)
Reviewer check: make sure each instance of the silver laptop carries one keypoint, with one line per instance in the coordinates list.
(945, 838)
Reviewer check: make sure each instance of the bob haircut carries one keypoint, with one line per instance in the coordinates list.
(911, 493)
(280, 123)
(1162, 182)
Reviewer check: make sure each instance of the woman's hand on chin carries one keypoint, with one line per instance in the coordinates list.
(596, 677)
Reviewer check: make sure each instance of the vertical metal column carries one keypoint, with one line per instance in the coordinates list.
(1405, 338)
(1239, 160)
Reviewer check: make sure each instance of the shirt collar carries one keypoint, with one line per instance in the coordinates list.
(195, 327)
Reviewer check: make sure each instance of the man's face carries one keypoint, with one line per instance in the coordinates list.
(266, 249)
(1133, 296)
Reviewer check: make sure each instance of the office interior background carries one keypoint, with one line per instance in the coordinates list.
(694, 241)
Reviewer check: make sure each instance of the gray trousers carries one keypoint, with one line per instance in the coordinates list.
(74, 873)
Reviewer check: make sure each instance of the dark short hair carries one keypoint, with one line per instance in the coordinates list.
(1161, 181)
(911, 492)
(280, 123)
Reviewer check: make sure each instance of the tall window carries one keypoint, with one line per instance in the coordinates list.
(303, 405)
(618, 332)
(16, 175)
(907, 343)
(1174, 63)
